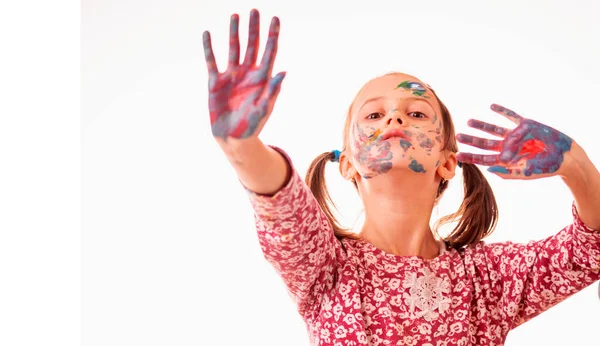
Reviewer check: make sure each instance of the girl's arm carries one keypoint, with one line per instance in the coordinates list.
(519, 281)
(583, 179)
(259, 168)
(296, 237)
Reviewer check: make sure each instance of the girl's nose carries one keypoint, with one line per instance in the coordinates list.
(395, 117)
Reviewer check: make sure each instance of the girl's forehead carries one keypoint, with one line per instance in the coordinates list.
(394, 85)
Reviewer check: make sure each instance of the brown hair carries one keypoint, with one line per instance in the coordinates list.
(477, 215)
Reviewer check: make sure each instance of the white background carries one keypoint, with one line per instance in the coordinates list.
(170, 250)
(170, 255)
(40, 174)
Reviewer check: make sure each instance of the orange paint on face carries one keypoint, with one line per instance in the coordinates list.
(374, 136)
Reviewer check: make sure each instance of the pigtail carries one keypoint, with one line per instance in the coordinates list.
(315, 179)
(478, 213)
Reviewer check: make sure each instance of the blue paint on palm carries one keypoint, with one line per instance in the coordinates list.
(542, 147)
(498, 169)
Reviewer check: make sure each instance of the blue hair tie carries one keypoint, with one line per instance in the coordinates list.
(336, 156)
(460, 164)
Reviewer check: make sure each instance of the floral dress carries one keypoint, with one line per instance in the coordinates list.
(351, 293)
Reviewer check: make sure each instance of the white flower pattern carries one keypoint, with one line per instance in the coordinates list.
(426, 294)
(351, 293)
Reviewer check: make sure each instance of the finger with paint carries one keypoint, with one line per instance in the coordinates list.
(242, 97)
(531, 150)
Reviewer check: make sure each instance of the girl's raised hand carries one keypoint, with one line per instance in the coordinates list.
(531, 150)
(241, 98)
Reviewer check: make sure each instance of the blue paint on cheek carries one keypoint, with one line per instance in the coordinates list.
(405, 144)
(416, 167)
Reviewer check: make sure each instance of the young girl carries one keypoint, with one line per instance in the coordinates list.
(396, 282)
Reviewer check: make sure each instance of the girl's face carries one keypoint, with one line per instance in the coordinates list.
(396, 125)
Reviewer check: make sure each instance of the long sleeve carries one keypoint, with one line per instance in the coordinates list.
(527, 279)
(297, 239)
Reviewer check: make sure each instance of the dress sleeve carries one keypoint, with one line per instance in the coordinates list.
(527, 279)
(297, 239)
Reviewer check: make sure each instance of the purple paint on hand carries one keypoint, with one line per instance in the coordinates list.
(529, 149)
(243, 95)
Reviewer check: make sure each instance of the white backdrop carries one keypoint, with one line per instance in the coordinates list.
(170, 253)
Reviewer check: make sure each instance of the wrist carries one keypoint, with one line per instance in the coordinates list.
(239, 151)
(576, 165)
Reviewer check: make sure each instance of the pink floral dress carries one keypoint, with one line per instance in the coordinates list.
(351, 293)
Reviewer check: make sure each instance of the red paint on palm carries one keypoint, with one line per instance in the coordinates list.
(531, 148)
(243, 95)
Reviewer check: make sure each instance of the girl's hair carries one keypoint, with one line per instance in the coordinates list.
(477, 215)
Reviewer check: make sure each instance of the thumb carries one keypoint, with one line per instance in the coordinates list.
(273, 91)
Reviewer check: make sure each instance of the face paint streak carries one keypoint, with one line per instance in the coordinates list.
(372, 153)
(416, 88)
(405, 144)
(437, 163)
(434, 118)
(438, 131)
(374, 136)
(415, 166)
(425, 142)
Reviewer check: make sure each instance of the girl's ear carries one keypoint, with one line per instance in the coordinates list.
(447, 169)
(347, 169)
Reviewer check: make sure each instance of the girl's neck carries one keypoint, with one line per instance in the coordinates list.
(397, 222)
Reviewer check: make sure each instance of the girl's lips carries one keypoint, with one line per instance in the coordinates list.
(394, 133)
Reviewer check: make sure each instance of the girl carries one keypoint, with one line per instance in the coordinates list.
(396, 282)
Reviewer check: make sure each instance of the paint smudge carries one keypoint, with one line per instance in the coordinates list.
(415, 166)
(372, 153)
(374, 136)
(425, 142)
(416, 88)
(237, 102)
(405, 144)
(530, 148)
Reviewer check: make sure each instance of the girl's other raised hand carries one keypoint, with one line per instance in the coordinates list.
(241, 98)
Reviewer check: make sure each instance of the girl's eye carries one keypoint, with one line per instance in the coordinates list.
(374, 116)
(417, 115)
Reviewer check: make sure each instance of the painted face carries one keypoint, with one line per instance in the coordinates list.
(396, 125)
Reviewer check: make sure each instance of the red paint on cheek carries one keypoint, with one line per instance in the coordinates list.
(531, 148)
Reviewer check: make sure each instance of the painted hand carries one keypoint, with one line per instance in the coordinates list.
(531, 150)
(241, 99)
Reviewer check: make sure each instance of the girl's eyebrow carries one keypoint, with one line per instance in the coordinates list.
(372, 99)
(377, 98)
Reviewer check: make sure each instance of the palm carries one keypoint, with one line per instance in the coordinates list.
(530, 150)
(243, 96)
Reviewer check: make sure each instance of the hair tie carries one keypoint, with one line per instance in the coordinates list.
(460, 164)
(336, 156)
